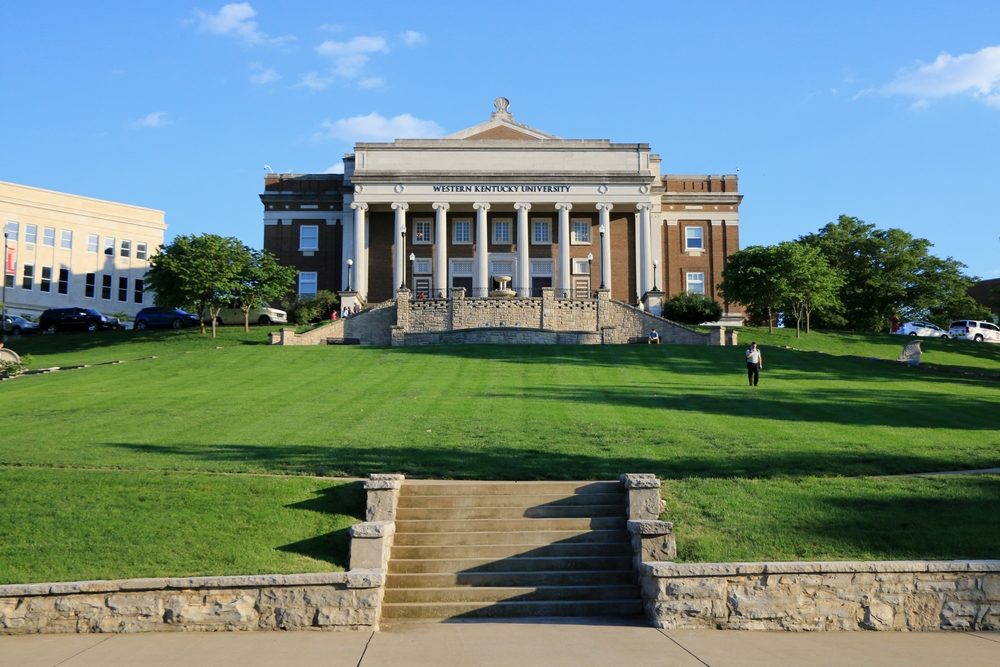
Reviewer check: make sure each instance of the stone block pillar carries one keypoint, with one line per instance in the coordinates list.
(403, 308)
(644, 500)
(732, 337)
(383, 496)
(603, 305)
(716, 336)
(652, 541)
(548, 303)
(653, 302)
(370, 544)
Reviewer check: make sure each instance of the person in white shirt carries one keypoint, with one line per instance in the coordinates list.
(755, 362)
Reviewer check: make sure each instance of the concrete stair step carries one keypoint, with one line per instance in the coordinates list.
(407, 552)
(459, 488)
(500, 525)
(513, 564)
(511, 593)
(520, 579)
(535, 537)
(512, 500)
(537, 609)
(538, 512)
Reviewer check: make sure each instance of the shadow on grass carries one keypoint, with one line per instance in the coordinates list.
(538, 464)
(333, 547)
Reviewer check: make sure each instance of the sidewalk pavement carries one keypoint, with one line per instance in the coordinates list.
(495, 644)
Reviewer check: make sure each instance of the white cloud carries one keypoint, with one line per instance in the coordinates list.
(376, 127)
(359, 44)
(371, 82)
(350, 66)
(261, 76)
(976, 74)
(413, 38)
(153, 120)
(313, 81)
(236, 20)
(335, 168)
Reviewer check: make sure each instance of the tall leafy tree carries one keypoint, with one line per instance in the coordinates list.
(261, 280)
(753, 277)
(198, 272)
(810, 281)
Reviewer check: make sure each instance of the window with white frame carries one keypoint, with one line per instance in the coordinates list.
(27, 276)
(109, 246)
(461, 267)
(126, 248)
(140, 251)
(502, 267)
(422, 232)
(421, 266)
(580, 231)
(12, 228)
(66, 239)
(63, 280)
(140, 288)
(581, 266)
(541, 267)
(49, 237)
(541, 232)
(307, 283)
(46, 284)
(90, 285)
(695, 282)
(92, 243)
(309, 237)
(122, 288)
(462, 232)
(694, 238)
(31, 234)
(501, 231)
(106, 287)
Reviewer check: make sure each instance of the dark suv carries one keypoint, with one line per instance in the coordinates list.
(162, 317)
(75, 319)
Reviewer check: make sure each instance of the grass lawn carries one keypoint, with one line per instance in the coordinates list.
(777, 472)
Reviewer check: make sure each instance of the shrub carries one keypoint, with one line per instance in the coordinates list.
(9, 369)
(315, 309)
(690, 308)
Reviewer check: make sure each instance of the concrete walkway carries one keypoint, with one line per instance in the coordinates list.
(495, 644)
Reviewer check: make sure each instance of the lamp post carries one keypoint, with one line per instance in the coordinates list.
(402, 242)
(413, 259)
(654, 276)
(350, 265)
(602, 230)
(590, 264)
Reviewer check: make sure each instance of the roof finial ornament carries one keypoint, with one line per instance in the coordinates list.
(501, 104)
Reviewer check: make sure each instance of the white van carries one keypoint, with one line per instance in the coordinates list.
(262, 315)
(975, 330)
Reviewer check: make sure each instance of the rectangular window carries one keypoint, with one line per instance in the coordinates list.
(502, 267)
(581, 266)
(309, 237)
(541, 232)
(140, 288)
(126, 248)
(422, 265)
(501, 232)
(140, 251)
(90, 285)
(12, 229)
(28, 276)
(422, 232)
(461, 267)
(30, 234)
(106, 287)
(46, 284)
(109, 246)
(66, 240)
(49, 236)
(580, 231)
(696, 283)
(694, 238)
(307, 283)
(64, 280)
(463, 232)
(122, 288)
(92, 243)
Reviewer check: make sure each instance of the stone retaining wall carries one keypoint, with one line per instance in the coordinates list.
(324, 601)
(891, 595)
(505, 336)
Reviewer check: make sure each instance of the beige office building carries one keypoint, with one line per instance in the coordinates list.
(66, 250)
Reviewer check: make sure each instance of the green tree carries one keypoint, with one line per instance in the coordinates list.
(753, 278)
(810, 281)
(261, 280)
(689, 308)
(198, 272)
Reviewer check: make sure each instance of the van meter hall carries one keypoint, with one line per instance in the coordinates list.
(522, 226)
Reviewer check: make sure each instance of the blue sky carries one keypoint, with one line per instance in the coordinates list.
(889, 111)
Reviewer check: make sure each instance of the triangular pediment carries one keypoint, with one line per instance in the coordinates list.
(501, 127)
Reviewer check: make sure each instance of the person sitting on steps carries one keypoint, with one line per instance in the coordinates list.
(654, 337)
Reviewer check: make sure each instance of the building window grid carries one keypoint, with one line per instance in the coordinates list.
(49, 236)
(581, 266)
(28, 276)
(422, 232)
(694, 238)
(580, 231)
(31, 234)
(308, 238)
(307, 283)
(12, 228)
(140, 289)
(109, 246)
(695, 282)
(90, 285)
(421, 266)
(501, 231)
(122, 288)
(63, 280)
(140, 251)
(66, 239)
(106, 287)
(462, 232)
(541, 232)
(92, 241)
(462, 267)
(46, 283)
(126, 248)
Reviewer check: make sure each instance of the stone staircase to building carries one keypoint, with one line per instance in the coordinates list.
(511, 549)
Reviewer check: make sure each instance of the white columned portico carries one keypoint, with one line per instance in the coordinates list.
(399, 265)
(360, 250)
(645, 271)
(564, 243)
(523, 284)
(480, 283)
(440, 248)
(604, 221)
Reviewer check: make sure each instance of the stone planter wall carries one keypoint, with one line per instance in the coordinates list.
(892, 595)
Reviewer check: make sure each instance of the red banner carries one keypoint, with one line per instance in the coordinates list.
(10, 266)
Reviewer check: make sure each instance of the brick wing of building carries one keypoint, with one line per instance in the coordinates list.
(503, 206)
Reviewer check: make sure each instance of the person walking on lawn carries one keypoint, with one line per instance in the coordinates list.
(755, 362)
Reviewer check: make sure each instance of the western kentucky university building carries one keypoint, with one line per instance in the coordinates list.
(503, 208)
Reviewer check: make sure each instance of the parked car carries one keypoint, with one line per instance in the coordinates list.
(76, 319)
(15, 325)
(262, 315)
(922, 329)
(162, 317)
(975, 330)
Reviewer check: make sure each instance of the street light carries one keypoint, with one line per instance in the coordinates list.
(654, 276)
(590, 266)
(413, 259)
(402, 242)
(602, 229)
(350, 265)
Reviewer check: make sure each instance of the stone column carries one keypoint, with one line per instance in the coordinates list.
(604, 209)
(360, 251)
(522, 280)
(564, 248)
(440, 249)
(645, 272)
(481, 281)
(399, 263)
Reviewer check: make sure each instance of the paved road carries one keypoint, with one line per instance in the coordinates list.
(496, 644)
